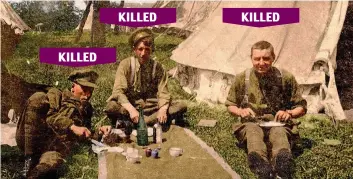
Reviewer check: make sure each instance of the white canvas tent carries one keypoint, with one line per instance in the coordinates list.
(89, 20)
(215, 52)
(190, 14)
(12, 27)
(88, 23)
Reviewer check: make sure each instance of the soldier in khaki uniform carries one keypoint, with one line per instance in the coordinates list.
(266, 91)
(142, 82)
(52, 122)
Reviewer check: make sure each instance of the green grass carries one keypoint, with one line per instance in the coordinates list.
(314, 160)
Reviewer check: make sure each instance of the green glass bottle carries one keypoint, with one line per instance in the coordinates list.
(142, 135)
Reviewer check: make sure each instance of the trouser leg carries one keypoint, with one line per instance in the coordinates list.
(176, 111)
(281, 155)
(253, 136)
(278, 138)
(177, 108)
(115, 111)
(48, 165)
(32, 126)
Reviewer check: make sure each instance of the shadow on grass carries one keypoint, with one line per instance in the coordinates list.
(301, 145)
(11, 161)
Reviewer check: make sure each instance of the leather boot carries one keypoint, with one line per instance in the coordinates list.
(42, 171)
(259, 166)
(282, 164)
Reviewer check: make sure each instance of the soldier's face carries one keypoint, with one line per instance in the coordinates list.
(262, 60)
(143, 52)
(81, 92)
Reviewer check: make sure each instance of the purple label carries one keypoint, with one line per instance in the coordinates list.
(137, 17)
(260, 17)
(77, 57)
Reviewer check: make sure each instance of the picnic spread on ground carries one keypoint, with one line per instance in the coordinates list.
(178, 156)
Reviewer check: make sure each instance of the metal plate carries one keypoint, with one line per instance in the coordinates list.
(271, 124)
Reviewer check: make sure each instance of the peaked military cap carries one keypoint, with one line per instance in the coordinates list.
(84, 77)
(139, 34)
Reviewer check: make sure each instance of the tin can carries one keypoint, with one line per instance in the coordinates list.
(154, 153)
(148, 152)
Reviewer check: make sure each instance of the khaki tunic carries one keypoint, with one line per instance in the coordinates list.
(144, 86)
(148, 91)
(43, 129)
(266, 95)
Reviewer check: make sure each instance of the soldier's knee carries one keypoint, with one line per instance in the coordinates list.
(112, 106)
(48, 164)
(278, 131)
(177, 107)
(38, 100)
(52, 159)
(182, 106)
(54, 91)
(252, 128)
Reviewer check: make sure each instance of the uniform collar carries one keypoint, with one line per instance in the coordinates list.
(138, 65)
(68, 96)
(266, 75)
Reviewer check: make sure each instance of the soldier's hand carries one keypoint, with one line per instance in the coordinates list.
(134, 115)
(80, 131)
(246, 112)
(162, 115)
(282, 116)
(105, 130)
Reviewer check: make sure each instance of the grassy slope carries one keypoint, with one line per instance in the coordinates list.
(316, 160)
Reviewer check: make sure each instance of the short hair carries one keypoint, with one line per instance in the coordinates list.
(261, 45)
(147, 41)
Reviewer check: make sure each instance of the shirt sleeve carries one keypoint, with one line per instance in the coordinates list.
(231, 98)
(121, 82)
(71, 111)
(62, 120)
(163, 94)
(234, 96)
(58, 117)
(296, 99)
(54, 97)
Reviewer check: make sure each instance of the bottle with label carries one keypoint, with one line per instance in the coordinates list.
(157, 133)
(142, 135)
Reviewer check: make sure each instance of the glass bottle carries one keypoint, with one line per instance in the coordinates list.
(142, 135)
(157, 133)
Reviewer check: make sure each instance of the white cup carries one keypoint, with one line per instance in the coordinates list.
(175, 151)
(133, 158)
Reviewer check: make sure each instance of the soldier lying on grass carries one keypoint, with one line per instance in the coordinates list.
(53, 122)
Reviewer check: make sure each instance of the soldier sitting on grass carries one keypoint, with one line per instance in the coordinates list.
(52, 122)
(141, 82)
(260, 91)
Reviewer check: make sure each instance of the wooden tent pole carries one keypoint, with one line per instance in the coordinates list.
(83, 21)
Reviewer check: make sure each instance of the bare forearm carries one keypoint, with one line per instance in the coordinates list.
(164, 107)
(296, 112)
(234, 110)
(128, 107)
